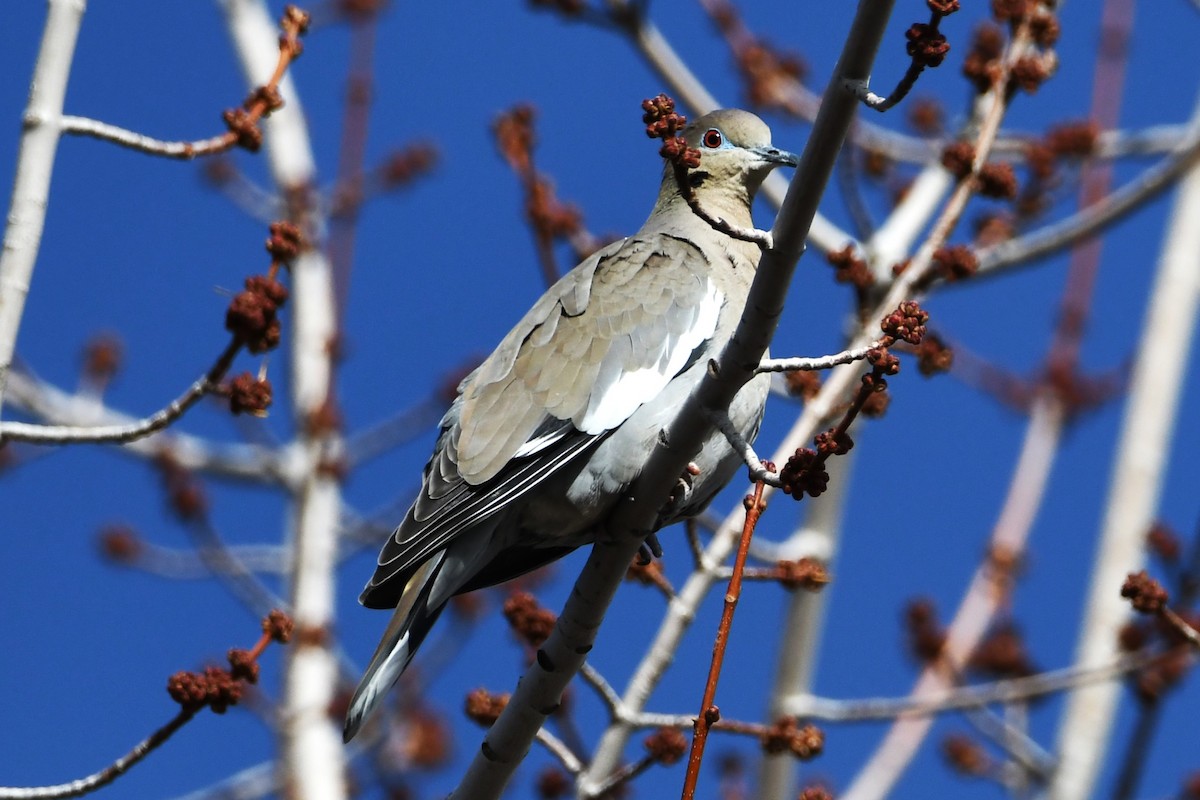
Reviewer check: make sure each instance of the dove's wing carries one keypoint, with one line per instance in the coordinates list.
(604, 340)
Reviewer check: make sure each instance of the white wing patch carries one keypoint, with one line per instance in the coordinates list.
(619, 391)
(542, 442)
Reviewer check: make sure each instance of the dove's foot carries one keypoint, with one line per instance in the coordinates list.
(650, 549)
(680, 497)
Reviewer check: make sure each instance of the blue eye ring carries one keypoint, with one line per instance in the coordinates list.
(712, 139)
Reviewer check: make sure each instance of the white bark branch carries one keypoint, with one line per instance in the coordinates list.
(119, 434)
(1089, 221)
(84, 126)
(35, 166)
(239, 461)
(978, 607)
(802, 363)
(1143, 452)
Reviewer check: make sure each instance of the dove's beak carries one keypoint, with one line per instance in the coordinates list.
(775, 156)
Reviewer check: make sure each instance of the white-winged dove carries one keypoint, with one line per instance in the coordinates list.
(553, 427)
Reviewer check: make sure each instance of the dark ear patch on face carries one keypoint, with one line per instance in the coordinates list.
(697, 179)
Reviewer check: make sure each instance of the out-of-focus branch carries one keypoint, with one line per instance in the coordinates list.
(964, 697)
(188, 565)
(215, 687)
(237, 187)
(980, 603)
(352, 150)
(118, 434)
(35, 166)
(800, 631)
(383, 436)
(1142, 455)
(242, 462)
(1089, 221)
(251, 783)
(311, 749)
(229, 570)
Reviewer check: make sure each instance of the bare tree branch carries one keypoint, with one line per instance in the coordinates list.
(119, 434)
(35, 166)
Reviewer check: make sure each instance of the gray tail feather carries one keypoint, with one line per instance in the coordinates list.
(407, 629)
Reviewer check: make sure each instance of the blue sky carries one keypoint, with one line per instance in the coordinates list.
(144, 248)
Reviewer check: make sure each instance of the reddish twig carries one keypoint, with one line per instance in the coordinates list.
(351, 155)
(709, 713)
(550, 219)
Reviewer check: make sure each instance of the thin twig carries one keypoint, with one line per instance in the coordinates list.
(816, 362)
(105, 776)
(607, 693)
(236, 461)
(557, 748)
(83, 126)
(119, 434)
(242, 122)
(709, 713)
(758, 469)
(852, 196)
(275, 628)
(719, 224)
(920, 60)
(1087, 222)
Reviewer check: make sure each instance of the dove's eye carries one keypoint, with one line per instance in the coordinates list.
(712, 138)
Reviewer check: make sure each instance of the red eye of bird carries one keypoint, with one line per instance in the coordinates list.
(712, 138)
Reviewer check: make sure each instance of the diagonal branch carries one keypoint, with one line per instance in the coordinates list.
(1089, 221)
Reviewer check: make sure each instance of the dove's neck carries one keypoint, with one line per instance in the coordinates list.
(720, 196)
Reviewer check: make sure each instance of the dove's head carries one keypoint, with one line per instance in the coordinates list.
(736, 155)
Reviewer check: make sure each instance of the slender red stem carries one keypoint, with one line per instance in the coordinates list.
(709, 713)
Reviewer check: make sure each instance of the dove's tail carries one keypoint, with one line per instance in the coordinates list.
(413, 618)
